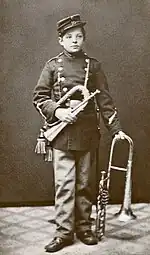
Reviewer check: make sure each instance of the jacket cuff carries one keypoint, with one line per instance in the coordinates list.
(115, 128)
(47, 109)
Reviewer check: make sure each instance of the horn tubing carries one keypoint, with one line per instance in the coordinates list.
(125, 214)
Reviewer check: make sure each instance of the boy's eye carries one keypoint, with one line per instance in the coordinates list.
(68, 36)
(79, 36)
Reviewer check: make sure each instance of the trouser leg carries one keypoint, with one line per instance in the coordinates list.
(64, 174)
(84, 187)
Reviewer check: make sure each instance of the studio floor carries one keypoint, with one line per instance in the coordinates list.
(26, 230)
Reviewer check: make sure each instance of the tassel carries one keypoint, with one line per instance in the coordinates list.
(40, 147)
(43, 146)
(49, 154)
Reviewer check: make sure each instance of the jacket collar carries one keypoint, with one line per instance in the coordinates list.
(79, 54)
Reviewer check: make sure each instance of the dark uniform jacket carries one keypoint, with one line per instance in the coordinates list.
(59, 75)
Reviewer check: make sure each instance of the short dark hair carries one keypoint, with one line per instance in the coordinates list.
(82, 29)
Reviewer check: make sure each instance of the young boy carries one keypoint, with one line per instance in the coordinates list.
(74, 147)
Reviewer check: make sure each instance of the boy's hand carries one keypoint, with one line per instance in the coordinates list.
(65, 115)
(121, 135)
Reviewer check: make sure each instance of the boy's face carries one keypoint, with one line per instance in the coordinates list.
(73, 39)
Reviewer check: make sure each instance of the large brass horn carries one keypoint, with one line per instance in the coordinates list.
(125, 213)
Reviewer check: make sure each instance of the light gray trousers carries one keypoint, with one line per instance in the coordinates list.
(73, 191)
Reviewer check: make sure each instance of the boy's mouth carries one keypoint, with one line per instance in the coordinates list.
(75, 46)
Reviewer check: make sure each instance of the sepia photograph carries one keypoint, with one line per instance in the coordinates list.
(74, 129)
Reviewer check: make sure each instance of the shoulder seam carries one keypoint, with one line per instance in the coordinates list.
(53, 58)
(94, 59)
(91, 58)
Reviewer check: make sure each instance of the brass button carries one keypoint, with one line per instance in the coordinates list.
(65, 89)
(59, 60)
(62, 78)
(60, 69)
(86, 60)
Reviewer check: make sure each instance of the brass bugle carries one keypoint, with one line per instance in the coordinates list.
(54, 130)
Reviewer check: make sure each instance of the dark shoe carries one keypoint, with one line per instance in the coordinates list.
(57, 244)
(87, 237)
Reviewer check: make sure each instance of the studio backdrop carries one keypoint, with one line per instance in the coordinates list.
(118, 35)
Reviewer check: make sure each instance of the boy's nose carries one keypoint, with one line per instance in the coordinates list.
(74, 40)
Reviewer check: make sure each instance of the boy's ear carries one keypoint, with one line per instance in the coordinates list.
(60, 39)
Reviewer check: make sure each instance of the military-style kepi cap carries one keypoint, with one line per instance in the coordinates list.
(69, 22)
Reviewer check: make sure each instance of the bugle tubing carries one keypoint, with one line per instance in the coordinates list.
(54, 130)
